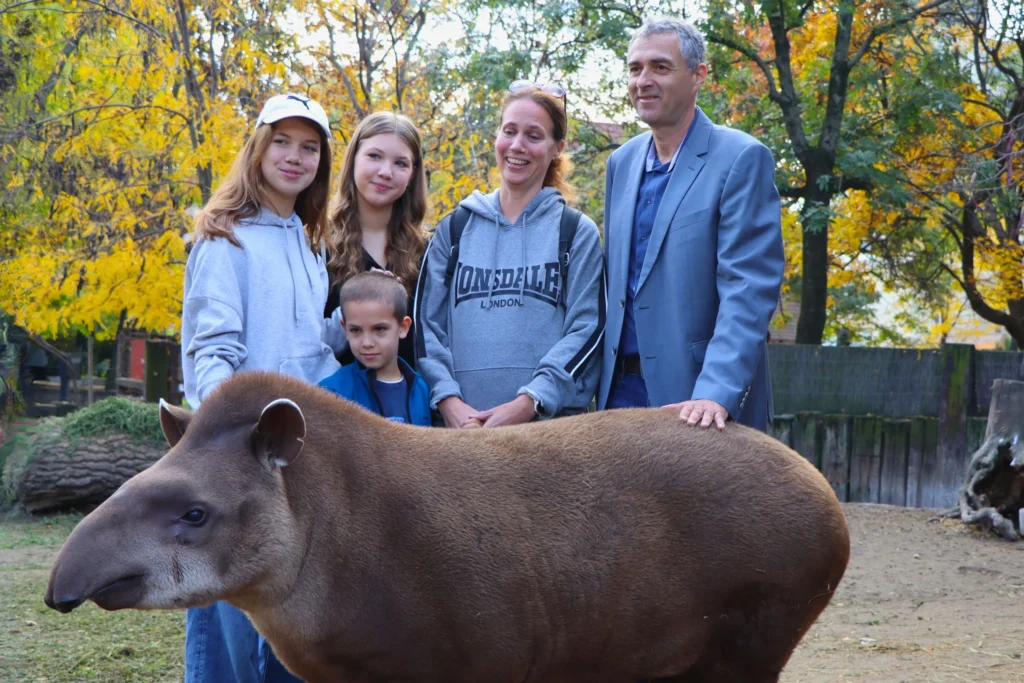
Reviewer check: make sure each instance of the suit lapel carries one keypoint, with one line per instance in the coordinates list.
(688, 166)
(634, 167)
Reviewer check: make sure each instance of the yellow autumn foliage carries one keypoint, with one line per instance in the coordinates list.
(131, 118)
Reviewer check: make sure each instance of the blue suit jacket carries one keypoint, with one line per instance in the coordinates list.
(711, 278)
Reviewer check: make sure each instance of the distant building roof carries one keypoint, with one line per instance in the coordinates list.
(612, 130)
(787, 314)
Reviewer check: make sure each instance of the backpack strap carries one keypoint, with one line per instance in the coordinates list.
(566, 234)
(567, 228)
(457, 223)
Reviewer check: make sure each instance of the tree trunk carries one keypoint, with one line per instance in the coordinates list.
(814, 282)
(993, 492)
(46, 473)
(1006, 413)
(115, 363)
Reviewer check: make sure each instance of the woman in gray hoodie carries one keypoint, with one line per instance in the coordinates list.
(505, 339)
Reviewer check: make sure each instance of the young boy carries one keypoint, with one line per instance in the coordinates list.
(374, 310)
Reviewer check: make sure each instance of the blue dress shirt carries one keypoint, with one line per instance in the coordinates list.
(652, 188)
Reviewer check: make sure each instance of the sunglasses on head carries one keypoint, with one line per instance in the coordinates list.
(553, 89)
(550, 88)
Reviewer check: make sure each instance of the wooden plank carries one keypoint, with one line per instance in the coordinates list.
(865, 459)
(921, 470)
(835, 454)
(782, 429)
(915, 455)
(806, 437)
(956, 400)
(975, 434)
(895, 443)
(854, 380)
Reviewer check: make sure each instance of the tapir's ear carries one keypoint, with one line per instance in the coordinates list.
(278, 435)
(174, 421)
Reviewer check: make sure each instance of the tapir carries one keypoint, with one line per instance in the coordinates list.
(601, 548)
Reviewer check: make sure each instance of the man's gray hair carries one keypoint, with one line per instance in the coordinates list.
(691, 42)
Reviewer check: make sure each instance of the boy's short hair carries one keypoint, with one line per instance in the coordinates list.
(376, 286)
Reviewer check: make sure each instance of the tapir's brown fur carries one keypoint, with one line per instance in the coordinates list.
(601, 548)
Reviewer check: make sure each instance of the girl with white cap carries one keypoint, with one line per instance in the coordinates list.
(255, 290)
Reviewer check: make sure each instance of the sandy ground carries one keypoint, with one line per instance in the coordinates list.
(920, 603)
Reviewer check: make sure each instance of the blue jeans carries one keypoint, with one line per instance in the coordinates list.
(222, 646)
(627, 391)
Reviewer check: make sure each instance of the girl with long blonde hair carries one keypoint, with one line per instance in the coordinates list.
(255, 290)
(377, 215)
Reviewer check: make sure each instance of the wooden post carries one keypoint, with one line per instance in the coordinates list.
(895, 443)
(806, 437)
(156, 371)
(835, 461)
(88, 363)
(921, 460)
(865, 460)
(782, 429)
(956, 398)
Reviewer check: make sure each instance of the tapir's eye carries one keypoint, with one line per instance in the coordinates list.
(195, 517)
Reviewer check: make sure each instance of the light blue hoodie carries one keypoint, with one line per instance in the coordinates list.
(507, 325)
(258, 307)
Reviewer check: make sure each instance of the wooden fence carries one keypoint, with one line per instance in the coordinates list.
(885, 382)
(882, 460)
(893, 426)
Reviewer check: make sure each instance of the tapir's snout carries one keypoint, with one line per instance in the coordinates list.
(123, 592)
(101, 560)
(63, 604)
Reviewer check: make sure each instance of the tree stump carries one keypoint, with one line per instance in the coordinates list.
(993, 492)
(48, 471)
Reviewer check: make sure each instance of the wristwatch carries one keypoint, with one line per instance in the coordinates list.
(538, 409)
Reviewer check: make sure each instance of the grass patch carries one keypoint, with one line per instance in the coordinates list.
(18, 531)
(39, 644)
(136, 418)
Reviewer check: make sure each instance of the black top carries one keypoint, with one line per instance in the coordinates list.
(406, 350)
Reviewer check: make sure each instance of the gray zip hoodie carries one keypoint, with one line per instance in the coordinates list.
(505, 327)
(256, 308)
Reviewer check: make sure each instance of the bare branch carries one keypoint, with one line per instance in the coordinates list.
(750, 54)
(789, 100)
(43, 94)
(984, 104)
(881, 30)
(333, 58)
(133, 107)
(7, 8)
(138, 22)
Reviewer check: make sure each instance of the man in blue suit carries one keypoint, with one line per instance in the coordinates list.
(693, 247)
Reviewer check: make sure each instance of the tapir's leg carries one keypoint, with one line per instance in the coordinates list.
(752, 644)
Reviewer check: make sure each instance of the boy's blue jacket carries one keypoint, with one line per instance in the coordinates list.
(355, 382)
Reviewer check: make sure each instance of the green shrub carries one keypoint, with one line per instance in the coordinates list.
(139, 419)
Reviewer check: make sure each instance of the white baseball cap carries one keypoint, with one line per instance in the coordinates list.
(286, 106)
